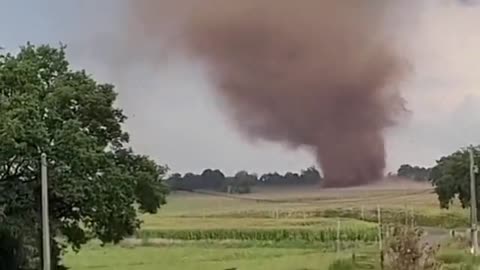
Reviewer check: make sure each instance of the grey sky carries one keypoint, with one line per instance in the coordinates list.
(175, 119)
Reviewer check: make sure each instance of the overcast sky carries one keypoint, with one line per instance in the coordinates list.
(174, 118)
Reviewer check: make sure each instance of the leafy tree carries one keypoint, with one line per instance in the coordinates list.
(188, 182)
(307, 177)
(415, 173)
(311, 176)
(271, 179)
(246, 177)
(192, 181)
(292, 178)
(241, 182)
(175, 181)
(94, 180)
(451, 178)
(212, 179)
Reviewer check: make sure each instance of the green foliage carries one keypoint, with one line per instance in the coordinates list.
(451, 178)
(271, 234)
(241, 182)
(405, 250)
(308, 176)
(12, 256)
(94, 180)
(414, 172)
(213, 178)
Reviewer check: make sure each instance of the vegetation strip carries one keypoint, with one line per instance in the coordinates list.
(310, 235)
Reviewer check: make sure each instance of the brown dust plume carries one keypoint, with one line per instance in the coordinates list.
(320, 74)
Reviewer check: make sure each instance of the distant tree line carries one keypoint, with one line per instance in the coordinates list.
(414, 172)
(241, 182)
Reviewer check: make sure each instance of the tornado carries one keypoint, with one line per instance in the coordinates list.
(317, 74)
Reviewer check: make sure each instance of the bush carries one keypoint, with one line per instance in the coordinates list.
(404, 250)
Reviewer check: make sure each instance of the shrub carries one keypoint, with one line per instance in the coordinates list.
(404, 250)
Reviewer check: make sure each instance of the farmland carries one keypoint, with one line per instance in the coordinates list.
(192, 258)
(268, 229)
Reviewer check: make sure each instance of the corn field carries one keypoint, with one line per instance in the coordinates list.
(446, 219)
(308, 235)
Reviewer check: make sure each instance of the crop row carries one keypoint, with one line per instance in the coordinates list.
(450, 219)
(445, 219)
(309, 235)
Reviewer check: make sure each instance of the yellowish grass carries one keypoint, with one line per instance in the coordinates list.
(183, 223)
(386, 195)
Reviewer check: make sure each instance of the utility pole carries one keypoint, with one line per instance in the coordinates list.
(45, 222)
(473, 202)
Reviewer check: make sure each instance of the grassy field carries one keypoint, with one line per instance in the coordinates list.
(193, 258)
(268, 229)
(187, 204)
(299, 201)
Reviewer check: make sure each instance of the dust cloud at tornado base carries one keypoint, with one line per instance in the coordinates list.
(319, 74)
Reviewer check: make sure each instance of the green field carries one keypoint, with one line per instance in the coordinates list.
(191, 257)
(286, 229)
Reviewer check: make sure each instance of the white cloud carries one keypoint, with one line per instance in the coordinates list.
(444, 90)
